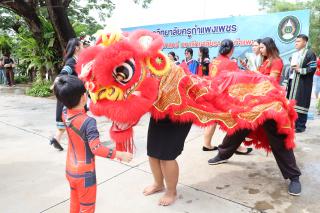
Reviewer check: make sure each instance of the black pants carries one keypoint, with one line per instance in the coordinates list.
(284, 157)
(289, 88)
(302, 118)
(10, 77)
(59, 109)
(301, 121)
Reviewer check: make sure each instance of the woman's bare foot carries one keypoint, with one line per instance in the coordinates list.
(149, 190)
(168, 198)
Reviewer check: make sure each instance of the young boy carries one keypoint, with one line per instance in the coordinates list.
(84, 144)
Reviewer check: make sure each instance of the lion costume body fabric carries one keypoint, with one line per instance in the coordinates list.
(128, 76)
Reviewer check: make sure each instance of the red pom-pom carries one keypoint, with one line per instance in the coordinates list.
(158, 61)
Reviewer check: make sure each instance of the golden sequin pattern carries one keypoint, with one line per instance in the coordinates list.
(205, 117)
(169, 89)
(201, 92)
(257, 111)
(169, 95)
(240, 91)
(214, 69)
(194, 91)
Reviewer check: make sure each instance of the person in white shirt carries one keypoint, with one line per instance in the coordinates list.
(254, 59)
(304, 65)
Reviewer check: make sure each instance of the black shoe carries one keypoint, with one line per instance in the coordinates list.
(207, 149)
(86, 108)
(243, 153)
(294, 188)
(56, 144)
(216, 160)
(300, 130)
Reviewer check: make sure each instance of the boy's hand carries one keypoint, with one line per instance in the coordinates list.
(124, 156)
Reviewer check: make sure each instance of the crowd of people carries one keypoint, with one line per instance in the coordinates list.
(264, 60)
(298, 77)
(84, 140)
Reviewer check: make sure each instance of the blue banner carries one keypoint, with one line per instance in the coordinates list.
(243, 30)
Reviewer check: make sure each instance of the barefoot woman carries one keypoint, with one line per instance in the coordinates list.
(165, 143)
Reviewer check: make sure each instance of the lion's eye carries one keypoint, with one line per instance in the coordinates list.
(124, 72)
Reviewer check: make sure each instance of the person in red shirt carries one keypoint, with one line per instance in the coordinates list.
(84, 144)
(222, 63)
(272, 64)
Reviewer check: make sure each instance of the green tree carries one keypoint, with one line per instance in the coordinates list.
(62, 15)
(9, 22)
(313, 5)
(31, 56)
(5, 44)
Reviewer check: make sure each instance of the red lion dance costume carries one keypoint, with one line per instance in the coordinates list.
(128, 76)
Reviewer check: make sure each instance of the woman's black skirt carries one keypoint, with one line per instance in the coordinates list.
(166, 138)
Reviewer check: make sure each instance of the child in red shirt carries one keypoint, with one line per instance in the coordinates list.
(83, 144)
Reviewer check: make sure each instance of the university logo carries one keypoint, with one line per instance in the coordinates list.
(288, 29)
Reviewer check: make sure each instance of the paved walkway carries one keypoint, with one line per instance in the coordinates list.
(33, 172)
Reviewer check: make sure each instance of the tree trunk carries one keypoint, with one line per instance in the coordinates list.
(58, 17)
(28, 12)
(60, 22)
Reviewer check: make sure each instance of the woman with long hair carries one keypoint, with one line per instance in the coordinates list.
(219, 64)
(204, 61)
(72, 51)
(173, 57)
(272, 63)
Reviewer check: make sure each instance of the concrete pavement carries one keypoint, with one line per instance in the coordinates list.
(33, 177)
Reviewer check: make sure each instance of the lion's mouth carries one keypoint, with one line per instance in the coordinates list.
(130, 90)
(122, 126)
(114, 93)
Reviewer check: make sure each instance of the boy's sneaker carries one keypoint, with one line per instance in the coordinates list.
(216, 160)
(56, 144)
(294, 188)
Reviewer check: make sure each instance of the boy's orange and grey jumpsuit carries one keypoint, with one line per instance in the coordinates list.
(84, 144)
